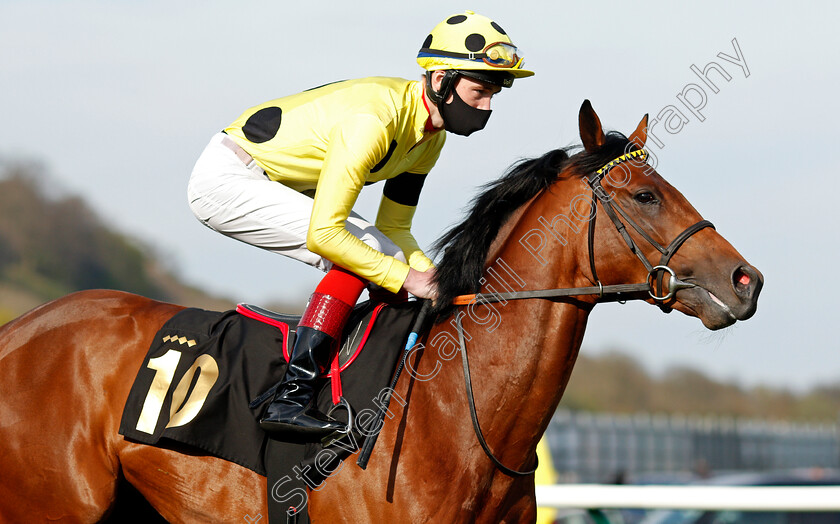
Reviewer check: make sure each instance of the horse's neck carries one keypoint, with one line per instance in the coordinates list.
(521, 352)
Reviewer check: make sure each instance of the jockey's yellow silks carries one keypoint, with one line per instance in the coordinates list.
(335, 139)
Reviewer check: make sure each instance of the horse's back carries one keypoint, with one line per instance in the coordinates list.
(70, 312)
(65, 371)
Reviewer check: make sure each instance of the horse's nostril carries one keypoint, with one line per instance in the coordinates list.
(741, 280)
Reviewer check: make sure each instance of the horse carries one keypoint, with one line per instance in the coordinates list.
(556, 222)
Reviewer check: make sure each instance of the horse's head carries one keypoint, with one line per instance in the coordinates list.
(705, 276)
(598, 220)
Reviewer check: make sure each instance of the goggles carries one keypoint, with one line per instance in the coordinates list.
(497, 54)
(500, 54)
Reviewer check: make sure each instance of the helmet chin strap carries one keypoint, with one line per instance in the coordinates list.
(458, 116)
(447, 84)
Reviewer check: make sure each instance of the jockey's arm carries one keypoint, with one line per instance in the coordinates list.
(396, 212)
(354, 148)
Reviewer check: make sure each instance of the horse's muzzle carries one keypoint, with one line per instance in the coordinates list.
(746, 283)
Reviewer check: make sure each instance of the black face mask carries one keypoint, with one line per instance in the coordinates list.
(461, 118)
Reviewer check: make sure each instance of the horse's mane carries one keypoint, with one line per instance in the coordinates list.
(464, 247)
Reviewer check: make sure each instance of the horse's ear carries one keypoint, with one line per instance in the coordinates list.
(639, 136)
(591, 133)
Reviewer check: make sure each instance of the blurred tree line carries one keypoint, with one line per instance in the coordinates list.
(60, 246)
(53, 245)
(615, 382)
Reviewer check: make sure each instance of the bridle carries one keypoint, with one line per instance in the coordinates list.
(616, 214)
(656, 274)
(613, 210)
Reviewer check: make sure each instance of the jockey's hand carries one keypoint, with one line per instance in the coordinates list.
(421, 284)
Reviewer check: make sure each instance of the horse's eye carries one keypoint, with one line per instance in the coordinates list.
(645, 197)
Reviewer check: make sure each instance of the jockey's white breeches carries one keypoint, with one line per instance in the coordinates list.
(239, 200)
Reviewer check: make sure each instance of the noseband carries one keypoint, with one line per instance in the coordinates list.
(655, 273)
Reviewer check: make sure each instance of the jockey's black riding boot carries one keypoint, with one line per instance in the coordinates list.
(293, 411)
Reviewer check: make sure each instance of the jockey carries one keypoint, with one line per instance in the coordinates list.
(284, 177)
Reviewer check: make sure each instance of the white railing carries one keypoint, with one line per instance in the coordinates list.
(736, 498)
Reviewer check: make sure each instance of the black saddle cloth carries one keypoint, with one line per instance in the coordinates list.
(204, 368)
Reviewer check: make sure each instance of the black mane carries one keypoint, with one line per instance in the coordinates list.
(464, 247)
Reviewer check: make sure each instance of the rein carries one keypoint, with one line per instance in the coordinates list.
(655, 273)
(474, 416)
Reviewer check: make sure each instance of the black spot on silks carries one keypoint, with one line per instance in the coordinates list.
(405, 188)
(262, 126)
(427, 43)
(498, 28)
(384, 161)
(457, 19)
(475, 42)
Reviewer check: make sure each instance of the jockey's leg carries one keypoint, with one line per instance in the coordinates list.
(293, 412)
(239, 201)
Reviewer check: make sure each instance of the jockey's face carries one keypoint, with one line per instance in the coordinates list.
(474, 92)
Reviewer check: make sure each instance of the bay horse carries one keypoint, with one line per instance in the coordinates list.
(553, 222)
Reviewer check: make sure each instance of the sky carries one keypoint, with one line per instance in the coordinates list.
(116, 100)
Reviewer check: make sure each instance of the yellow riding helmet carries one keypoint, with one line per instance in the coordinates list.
(472, 43)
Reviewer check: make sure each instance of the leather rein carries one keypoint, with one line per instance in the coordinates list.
(656, 274)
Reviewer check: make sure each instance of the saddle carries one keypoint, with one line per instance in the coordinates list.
(351, 344)
(207, 375)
